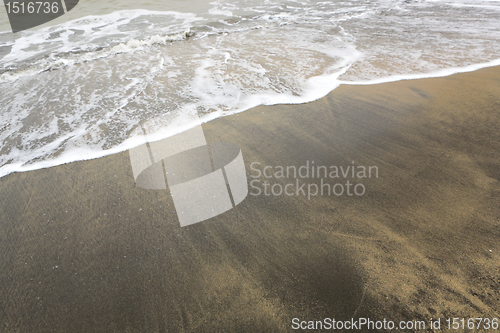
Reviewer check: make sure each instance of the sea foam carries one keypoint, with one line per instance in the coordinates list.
(79, 90)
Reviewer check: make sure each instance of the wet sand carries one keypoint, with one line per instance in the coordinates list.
(85, 250)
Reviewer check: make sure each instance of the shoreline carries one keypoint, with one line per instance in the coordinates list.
(71, 156)
(85, 249)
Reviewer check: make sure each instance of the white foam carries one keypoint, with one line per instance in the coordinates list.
(91, 32)
(439, 73)
(110, 74)
(132, 45)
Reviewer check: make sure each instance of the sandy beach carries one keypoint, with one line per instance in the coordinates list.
(83, 249)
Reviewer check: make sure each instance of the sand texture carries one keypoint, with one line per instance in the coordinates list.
(83, 249)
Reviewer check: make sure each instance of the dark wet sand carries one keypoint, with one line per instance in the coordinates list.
(85, 250)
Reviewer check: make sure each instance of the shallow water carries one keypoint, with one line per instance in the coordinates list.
(77, 87)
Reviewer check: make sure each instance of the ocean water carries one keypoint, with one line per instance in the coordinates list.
(79, 87)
